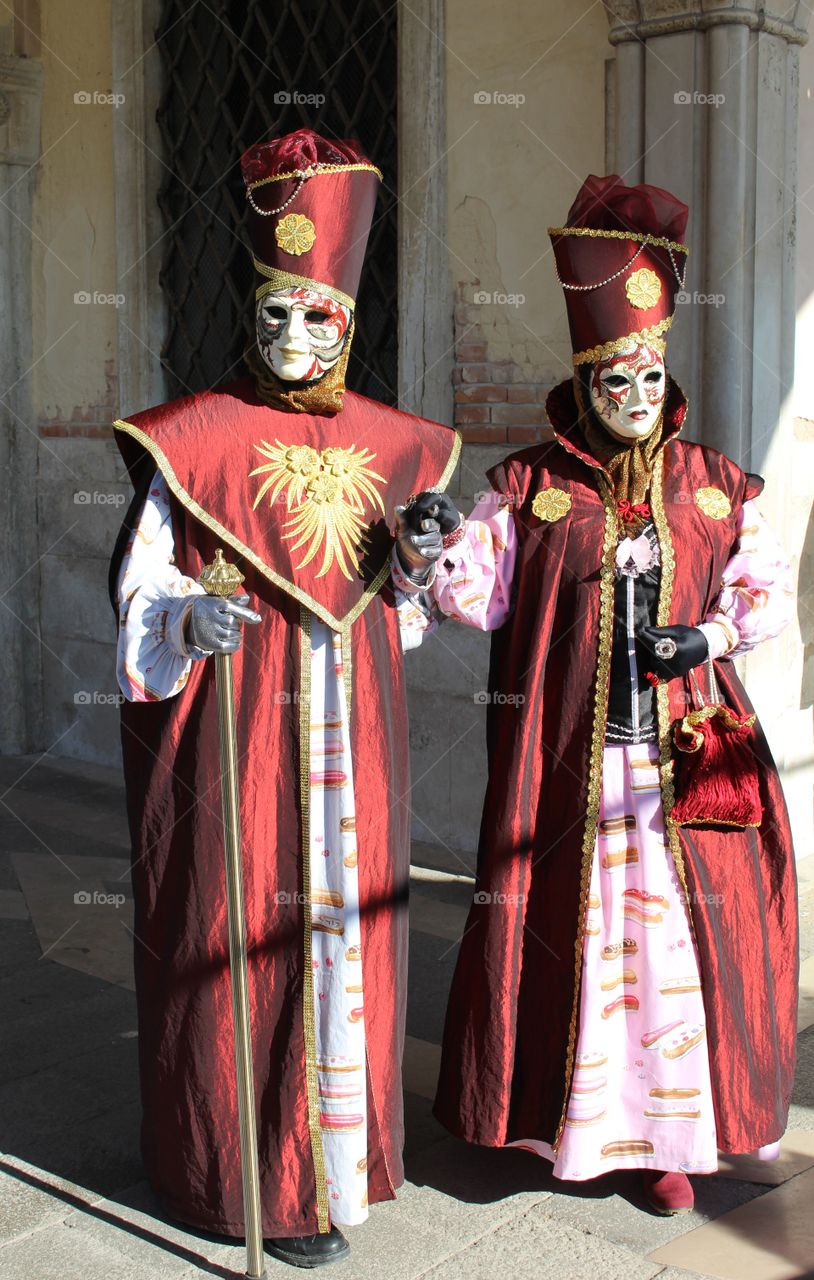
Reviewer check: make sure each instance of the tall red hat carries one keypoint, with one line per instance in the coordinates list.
(311, 204)
(621, 263)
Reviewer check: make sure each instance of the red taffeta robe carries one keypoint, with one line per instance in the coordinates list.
(512, 1021)
(205, 446)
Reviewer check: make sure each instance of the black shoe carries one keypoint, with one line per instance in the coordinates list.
(310, 1251)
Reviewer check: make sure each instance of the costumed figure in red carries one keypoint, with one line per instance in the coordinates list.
(626, 990)
(294, 476)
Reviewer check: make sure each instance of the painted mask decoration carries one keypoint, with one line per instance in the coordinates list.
(301, 333)
(627, 391)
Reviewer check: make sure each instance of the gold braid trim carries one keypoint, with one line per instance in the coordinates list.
(641, 237)
(308, 1015)
(302, 597)
(618, 345)
(276, 279)
(607, 578)
(347, 665)
(668, 567)
(313, 171)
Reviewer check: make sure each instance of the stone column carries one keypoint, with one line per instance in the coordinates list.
(425, 293)
(706, 105)
(137, 148)
(706, 98)
(20, 659)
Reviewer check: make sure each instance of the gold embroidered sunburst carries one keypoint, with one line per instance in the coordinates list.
(713, 502)
(295, 233)
(643, 288)
(325, 492)
(551, 504)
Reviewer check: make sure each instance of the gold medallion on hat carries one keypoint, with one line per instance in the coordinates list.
(643, 288)
(295, 233)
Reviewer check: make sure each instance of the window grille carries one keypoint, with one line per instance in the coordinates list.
(236, 73)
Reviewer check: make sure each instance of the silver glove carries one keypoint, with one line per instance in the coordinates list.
(216, 624)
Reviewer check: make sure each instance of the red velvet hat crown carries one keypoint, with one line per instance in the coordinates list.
(620, 262)
(311, 204)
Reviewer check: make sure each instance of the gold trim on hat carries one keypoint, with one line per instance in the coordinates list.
(313, 170)
(617, 346)
(276, 279)
(639, 237)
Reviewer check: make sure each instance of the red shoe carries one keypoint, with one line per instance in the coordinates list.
(667, 1193)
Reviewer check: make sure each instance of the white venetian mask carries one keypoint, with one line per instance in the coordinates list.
(628, 390)
(301, 333)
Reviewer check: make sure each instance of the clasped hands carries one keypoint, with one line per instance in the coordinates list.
(420, 529)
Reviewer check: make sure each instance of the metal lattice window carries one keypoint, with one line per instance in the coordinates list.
(235, 74)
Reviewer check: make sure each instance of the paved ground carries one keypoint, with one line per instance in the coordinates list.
(73, 1201)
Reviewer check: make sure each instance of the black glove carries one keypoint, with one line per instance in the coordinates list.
(419, 530)
(691, 650)
(216, 622)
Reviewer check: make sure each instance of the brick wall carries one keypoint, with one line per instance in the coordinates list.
(493, 402)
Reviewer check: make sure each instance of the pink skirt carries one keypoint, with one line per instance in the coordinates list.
(641, 1095)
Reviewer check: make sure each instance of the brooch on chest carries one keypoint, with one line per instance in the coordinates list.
(551, 504)
(713, 502)
(325, 493)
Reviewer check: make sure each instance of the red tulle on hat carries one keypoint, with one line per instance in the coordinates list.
(298, 150)
(606, 204)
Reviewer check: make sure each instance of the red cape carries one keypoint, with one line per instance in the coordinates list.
(512, 1021)
(203, 446)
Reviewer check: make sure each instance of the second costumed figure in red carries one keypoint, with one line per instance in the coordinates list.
(626, 990)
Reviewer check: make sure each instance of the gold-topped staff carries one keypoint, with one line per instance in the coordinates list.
(222, 579)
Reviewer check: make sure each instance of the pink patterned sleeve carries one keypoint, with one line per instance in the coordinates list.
(756, 600)
(473, 581)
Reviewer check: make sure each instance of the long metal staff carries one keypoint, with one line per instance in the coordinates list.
(223, 579)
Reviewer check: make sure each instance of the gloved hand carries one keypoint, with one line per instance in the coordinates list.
(691, 650)
(420, 529)
(216, 623)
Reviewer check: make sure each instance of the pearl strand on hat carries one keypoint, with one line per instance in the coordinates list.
(585, 288)
(680, 278)
(267, 213)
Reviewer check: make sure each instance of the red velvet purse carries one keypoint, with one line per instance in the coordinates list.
(715, 765)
